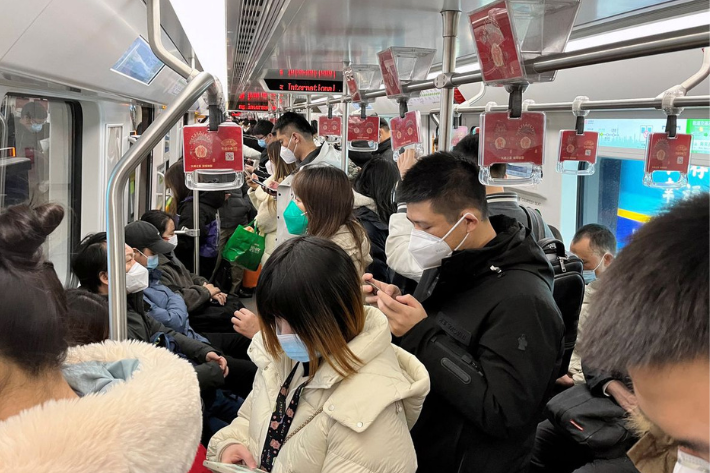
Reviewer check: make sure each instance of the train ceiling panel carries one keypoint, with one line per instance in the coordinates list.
(321, 34)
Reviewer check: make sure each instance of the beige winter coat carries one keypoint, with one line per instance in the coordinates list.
(365, 419)
(149, 423)
(265, 217)
(360, 255)
(575, 363)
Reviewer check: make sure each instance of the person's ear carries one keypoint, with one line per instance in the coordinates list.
(103, 277)
(608, 258)
(471, 221)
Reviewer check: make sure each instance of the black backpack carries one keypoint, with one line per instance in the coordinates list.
(568, 292)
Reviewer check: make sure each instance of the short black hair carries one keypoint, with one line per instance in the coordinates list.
(467, 148)
(296, 122)
(384, 124)
(87, 319)
(601, 239)
(449, 181)
(158, 218)
(34, 110)
(651, 309)
(262, 127)
(91, 259)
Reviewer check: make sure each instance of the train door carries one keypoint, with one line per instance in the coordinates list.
(45, 165)
(139, 184)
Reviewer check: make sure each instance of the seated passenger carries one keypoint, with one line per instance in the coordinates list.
(323, 207)
(113, 407)
(87, 319)
(650, 319)
(482, 320)
(265, 202)
(499, 202)
(210, 309)
(90, 264)
(168, 308)
(596, 247)
(210, 202)
(374, 203)
(332, 394)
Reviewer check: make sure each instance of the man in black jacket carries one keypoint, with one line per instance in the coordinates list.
(482, 320)
(384, 149)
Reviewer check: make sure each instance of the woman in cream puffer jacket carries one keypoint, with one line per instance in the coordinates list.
(365, 419)
(265, 206)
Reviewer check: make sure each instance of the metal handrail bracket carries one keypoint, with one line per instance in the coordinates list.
(118, 327)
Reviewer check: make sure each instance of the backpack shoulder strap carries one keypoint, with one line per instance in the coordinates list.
(535, 223)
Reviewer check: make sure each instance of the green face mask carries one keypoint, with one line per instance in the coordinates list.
(296, 220)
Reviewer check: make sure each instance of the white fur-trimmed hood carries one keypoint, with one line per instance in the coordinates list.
(150, 423)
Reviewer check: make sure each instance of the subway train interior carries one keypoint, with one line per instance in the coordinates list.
(98, 99)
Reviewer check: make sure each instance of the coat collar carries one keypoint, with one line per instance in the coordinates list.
(150, 423)
(387, 375)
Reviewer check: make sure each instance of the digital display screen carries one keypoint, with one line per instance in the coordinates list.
(256, 107)
(139, 63)
(303, 81)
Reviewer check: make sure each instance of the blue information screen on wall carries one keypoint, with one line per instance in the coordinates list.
(139, 62)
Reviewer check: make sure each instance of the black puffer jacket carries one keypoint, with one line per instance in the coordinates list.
(143, 327)
(384, 150)
(492, 345)
(237, 210)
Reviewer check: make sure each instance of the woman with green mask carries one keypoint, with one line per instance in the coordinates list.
(323, 207)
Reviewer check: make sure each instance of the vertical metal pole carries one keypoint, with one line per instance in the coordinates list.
(450, 14)
(196, 220)
(308, 108)
(344, 138)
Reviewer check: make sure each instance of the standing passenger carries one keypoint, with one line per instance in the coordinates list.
(210, 202)
(482, 320)
(384, 148)
(323, 207)
(650, 319)
(375, 187)
(332, 394)
(111, 407)
(297, 147)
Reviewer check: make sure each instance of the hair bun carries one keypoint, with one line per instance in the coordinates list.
(24, 229)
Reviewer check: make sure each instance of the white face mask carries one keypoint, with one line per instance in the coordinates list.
(136, 278)
(269, 168)
(173, 241)
(286, 154)
(688, 463)
(429, 250)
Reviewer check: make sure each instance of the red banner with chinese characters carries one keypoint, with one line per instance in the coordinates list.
(218, 150)
(495, 43)
(668, 154)
(363, 130)
(574, 147)
(511, 140)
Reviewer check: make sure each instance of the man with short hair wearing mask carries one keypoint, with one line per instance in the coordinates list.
(297, 146)
(482, 320)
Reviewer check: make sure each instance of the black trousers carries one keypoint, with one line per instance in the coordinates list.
(215, 318)
(241, 369)
(556, 452)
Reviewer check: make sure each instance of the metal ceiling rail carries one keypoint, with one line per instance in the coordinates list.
(690, 38)
(622, 104)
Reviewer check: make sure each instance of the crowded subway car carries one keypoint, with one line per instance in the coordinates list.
(449, 236)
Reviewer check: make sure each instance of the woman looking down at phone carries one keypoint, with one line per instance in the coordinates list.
(323, 206)
(332, 393)
(264, 199)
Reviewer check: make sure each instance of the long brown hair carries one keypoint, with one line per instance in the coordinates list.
(175, 181)
(281, 168)
(325, 312)
(326, 193)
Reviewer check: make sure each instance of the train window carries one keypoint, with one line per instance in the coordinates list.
(616, 197)
(45, 135)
